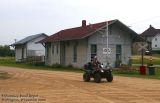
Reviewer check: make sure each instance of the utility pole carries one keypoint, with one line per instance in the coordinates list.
(106, 49)
(107, 41)
(142, 53)
(107, 34)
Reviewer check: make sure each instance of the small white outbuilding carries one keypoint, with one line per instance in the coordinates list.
(29, 47)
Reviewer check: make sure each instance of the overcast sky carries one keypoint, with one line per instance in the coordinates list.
(21, 18)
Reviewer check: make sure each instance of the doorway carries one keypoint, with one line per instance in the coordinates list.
(62, 53)
(118, 55)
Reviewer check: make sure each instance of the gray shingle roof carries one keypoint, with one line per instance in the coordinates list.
(150, 32)
(27, 39)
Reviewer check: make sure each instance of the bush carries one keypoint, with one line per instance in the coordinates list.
(39, 63)
(57, 66)
(69, 66)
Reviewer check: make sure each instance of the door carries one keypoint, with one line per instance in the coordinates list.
(118, 55)
(48, 53)
(22, 53)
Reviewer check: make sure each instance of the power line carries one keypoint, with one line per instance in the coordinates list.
(146, 20)
(142, 25)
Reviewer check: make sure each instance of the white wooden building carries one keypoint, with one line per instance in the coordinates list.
(29, 47)
(152, 36)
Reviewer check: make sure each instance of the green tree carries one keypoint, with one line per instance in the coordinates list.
(6, 51)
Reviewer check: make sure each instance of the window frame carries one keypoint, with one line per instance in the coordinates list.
(93, 50)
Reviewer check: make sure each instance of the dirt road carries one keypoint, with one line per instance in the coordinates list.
(38, 86)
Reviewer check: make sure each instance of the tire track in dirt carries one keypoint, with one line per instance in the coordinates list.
(66, 87)
(123, 95)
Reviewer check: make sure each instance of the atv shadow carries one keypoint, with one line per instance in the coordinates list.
(92, 81)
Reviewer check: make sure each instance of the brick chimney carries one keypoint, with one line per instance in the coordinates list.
(150, 26)
(83, 23)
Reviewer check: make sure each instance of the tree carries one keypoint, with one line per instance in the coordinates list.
(6, 51)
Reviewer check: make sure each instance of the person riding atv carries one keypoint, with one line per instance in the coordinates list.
(95, 69)
(95, 63)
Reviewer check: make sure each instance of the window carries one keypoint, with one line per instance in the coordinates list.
(110, 30)
(52, 48)
(118, 55)
(155, 39)
(57, 48)
(93, 50)
(75, 53)
(118, 49)
(156, 45)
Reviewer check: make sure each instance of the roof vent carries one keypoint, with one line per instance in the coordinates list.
(83, 23)
(150, 26)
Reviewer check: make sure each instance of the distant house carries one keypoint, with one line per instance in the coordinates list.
(77, 46)
(152, 36)
(29, 47)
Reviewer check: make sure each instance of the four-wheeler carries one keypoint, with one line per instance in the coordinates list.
(97, 73)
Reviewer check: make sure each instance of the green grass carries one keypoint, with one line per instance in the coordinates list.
(156, 55)
(155, 59)
(10, 61)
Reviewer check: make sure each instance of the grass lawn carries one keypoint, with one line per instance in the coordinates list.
(155, 59)
(10, 61)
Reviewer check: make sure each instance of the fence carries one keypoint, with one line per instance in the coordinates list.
(35, 59)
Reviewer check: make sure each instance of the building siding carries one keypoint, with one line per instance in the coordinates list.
(37, 48)
(18, 52)
(118, 36)
(55, 54)
(156, 41)
(81, 53)
(68, 59)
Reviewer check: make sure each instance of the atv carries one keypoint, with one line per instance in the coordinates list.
(98, 73)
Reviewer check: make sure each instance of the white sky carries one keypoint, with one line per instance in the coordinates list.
(21, 18)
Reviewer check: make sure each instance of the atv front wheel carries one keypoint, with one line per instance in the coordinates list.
(109, 77)
(86, 77)
(97, 78)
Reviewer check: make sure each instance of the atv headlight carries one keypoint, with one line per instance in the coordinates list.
(102, 71)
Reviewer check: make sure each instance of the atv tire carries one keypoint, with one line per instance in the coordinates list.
(86, 77)
(109, 77)
(97, 78)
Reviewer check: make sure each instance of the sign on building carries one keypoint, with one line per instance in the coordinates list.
(107, 51)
